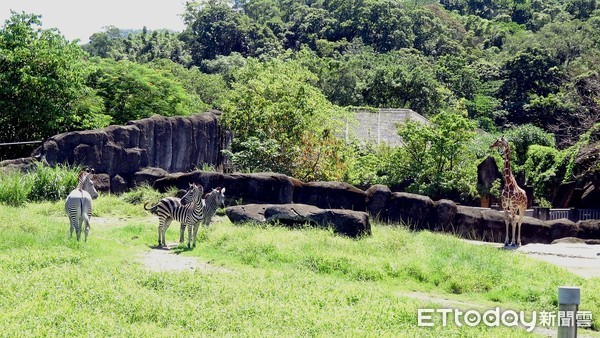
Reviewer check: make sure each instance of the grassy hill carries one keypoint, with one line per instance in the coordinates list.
(270, 281)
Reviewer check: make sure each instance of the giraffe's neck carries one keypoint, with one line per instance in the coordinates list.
(509, 179)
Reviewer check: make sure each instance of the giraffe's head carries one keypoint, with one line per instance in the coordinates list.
(501, 144)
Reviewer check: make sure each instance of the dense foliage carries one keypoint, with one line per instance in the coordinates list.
(282, 71)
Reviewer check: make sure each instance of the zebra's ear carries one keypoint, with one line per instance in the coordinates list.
(222, 190)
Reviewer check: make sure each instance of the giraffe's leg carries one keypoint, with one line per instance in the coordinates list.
(520, 222)
(513, 221)
(507, 221)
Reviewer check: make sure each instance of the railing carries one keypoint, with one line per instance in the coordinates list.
(583, 214)
(561, 213)
(572, 214)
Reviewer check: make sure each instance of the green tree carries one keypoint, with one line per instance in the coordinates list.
(213, 28)
(530, 72)
(543, 170)
(436, 159)
(524, 136)
(205, 90)
(42, 83)
(276, 102)
(132, 91)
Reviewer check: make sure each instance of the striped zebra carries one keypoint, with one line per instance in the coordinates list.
(212, 201)
(79, 203)
(171, 208)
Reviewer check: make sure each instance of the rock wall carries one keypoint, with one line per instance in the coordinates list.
(174, 144)
(256, 193)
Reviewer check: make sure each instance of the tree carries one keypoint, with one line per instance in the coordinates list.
(435, 157)
(213, 28)
(42, 83)
(581, 9)
(132, 91)
(275, 105)
(531, 72)
(403, 79)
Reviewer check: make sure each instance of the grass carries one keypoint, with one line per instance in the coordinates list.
(40, 184)
(303, 282)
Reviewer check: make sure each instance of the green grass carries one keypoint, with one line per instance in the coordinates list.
(41, 184)
(279, 282)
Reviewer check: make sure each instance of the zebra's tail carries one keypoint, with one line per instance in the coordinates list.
(152, 209)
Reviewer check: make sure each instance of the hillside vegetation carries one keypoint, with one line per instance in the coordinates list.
(268, 280)
(292, 68)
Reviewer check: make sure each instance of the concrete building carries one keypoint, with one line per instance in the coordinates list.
(379, 125)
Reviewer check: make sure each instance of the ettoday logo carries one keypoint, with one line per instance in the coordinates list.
(497, 317)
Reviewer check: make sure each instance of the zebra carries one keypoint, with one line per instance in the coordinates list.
(79, 203)
(212, 201)
(171, 208)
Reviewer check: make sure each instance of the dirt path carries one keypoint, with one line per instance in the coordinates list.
(579, 258)
(165, 260)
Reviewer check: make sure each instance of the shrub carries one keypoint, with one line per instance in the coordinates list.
(543, 170)
(44, 183)
(522, 137)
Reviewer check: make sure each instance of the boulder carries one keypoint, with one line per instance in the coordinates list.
(269, 188)
(334, 195)
(443, 214)
(534, 230)
(563, 227)
(101, 182)
(377, 199)
(149, 175)
(23, 165)
(207, 179)
(246, 213)
(346, 222)
(589, 229)
(565, 194)
(174, 144)
(487, 173)
(469, 223)
(575, 240)
(118, 185)
(411, 209)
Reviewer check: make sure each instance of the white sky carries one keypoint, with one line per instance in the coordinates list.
(79, 19)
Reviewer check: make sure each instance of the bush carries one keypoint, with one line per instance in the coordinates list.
(44, 183)
(522, 137)
(543, 170)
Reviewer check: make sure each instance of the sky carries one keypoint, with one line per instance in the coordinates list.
(79, 19)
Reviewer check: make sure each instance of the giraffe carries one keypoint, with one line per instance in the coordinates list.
(513, 197)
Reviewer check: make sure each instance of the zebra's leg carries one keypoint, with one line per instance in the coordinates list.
(163, 231)
(182, 233)
(196, 226)
(161, 226)
(189, 226)
(86, 220)
(73, 225)
(78, 226)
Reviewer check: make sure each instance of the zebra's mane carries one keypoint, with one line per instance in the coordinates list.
(81, 179)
